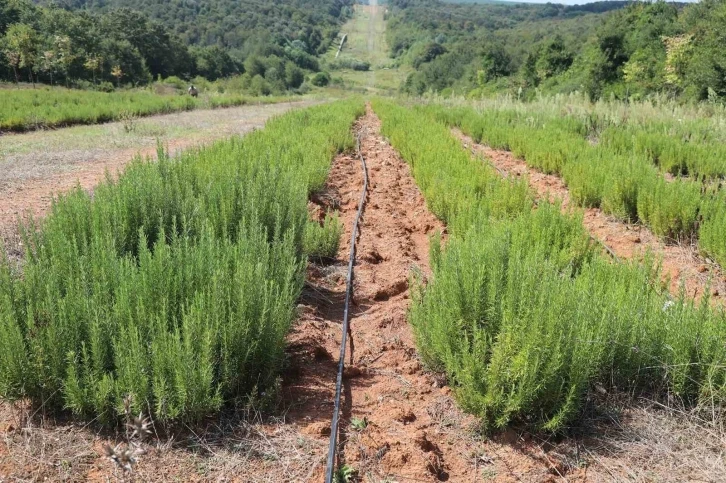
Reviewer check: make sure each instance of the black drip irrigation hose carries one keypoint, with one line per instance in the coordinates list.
(346, 322)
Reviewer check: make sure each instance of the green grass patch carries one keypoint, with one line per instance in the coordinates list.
(28, 109)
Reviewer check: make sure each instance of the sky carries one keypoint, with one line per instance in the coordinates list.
(580, 2)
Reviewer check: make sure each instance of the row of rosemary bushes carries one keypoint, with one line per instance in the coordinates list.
(620, 181)
(683, 140)
(524, 314)
(176, 283)
(49, 107)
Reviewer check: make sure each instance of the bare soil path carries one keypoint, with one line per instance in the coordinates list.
(399, 422)
(38, 165)
(681, 263)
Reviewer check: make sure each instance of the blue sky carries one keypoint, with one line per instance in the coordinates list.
(580, 2)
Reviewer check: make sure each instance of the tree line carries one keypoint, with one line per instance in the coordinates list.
(103, 45)
(608, 49)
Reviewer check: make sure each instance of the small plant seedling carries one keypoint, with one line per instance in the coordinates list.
(488, 474)
(345, 474)
(359, 424)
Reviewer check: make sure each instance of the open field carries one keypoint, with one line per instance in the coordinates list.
(53, 107)
(400, 420)
(622, 178)
(536, 295)
(367, 42)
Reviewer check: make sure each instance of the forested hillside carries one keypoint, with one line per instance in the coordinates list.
(619, 49)
(129, 42)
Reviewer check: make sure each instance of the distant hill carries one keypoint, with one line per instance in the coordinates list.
(272, 45)
(237, 24)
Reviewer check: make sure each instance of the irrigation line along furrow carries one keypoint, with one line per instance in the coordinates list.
(346, 325)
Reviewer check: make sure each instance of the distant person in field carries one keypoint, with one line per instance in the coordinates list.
(193, 91)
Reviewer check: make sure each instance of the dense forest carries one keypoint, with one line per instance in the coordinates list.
(612, 49)
(123, 42)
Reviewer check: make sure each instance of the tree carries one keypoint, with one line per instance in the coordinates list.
(118, 74)
(127, 57)
(21, 48)
(49, 63)
(554, 58)
(254, 66)
(294, 75)
(65, 54)
(93, 63)
(495, 62)
(213, 62)
(430, 52)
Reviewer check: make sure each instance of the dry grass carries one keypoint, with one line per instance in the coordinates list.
(651, 442)
(42, 153)
(242, 447)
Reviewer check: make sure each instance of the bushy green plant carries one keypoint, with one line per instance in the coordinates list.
(525, 316)
(174, 284)
(615, 172)
(671, 210)
(320, 79)
(712, 232)
(322, 240)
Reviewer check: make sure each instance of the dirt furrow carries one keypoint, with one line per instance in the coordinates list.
(399, 422)
(681, 263)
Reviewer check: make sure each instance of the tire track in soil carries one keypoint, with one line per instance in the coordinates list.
(414, 430)
(681, 263)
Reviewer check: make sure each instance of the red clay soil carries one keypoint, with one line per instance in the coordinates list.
(409, 428)
(681, 263)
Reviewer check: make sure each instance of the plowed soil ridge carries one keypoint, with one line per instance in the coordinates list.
(406, 426)
(681, 263)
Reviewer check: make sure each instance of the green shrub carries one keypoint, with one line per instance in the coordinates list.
(623, 188)
(350, 63)
(174, 284)
(712, 233)
(523, 315)
(616, 173)
(675, 149)
(671, 210)
(320, 79)
(322, 240)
